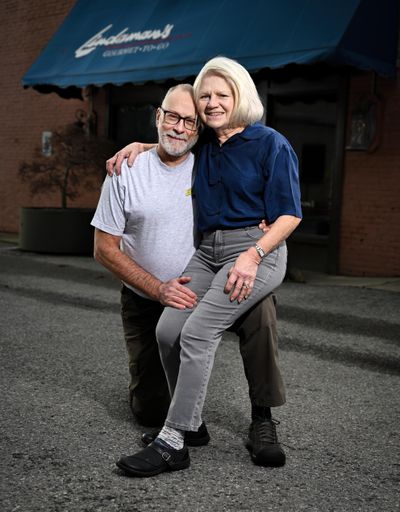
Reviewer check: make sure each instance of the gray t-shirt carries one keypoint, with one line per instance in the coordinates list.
(150, 207)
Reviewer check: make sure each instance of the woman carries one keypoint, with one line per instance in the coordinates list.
(246, 172)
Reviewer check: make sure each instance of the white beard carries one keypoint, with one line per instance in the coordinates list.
(175, 147)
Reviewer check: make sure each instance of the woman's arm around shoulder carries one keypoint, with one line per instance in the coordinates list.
(131, 151)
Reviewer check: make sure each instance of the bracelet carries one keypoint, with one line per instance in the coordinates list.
(260, 251)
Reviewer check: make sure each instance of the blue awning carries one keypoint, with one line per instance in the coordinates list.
(135, 41)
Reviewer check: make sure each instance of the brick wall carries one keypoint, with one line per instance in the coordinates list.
(26, 27)
(370, 225)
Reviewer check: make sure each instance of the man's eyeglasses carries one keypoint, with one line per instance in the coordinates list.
(172, 118)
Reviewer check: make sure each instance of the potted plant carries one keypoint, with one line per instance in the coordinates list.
(76, 162)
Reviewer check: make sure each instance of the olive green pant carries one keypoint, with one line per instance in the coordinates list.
(148, 390)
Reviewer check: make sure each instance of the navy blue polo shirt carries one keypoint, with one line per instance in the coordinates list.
(251, 176)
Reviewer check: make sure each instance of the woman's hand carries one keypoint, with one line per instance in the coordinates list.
(131, 151)
(242, 275)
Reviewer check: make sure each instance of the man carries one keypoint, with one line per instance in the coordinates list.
(145, 236)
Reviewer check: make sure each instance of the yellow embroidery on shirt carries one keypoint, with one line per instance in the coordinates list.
(188, 192)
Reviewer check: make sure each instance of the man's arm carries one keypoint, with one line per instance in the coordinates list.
(171, 293)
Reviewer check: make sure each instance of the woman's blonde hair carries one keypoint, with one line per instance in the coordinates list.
(248, 107)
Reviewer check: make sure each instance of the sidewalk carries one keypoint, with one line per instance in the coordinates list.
(391, 284)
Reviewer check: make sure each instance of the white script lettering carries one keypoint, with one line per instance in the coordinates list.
(122, 37)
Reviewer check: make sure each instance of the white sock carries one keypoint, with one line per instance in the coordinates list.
(172, 437)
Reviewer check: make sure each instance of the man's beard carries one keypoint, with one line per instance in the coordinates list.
(174, 147)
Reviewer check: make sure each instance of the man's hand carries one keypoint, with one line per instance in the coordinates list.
(173, 293)
(131, 151)
(264, 226)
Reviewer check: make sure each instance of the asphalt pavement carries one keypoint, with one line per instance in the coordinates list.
(65, 417)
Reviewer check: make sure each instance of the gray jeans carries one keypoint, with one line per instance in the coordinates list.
(188, 339)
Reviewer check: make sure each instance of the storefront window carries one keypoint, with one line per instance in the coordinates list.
(134, 123)
(309, 123)
(132, 112)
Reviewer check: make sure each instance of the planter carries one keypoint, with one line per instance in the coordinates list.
(57, 230)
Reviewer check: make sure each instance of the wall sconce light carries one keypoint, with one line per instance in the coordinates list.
(46, 143)
(365, 125)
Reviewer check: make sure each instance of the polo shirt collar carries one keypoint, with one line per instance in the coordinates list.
(251, 132)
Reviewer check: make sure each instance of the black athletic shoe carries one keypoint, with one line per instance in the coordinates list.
(263, 443)
(199, 438)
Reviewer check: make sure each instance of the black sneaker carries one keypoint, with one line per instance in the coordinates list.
(199, 438)
(263, 443)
